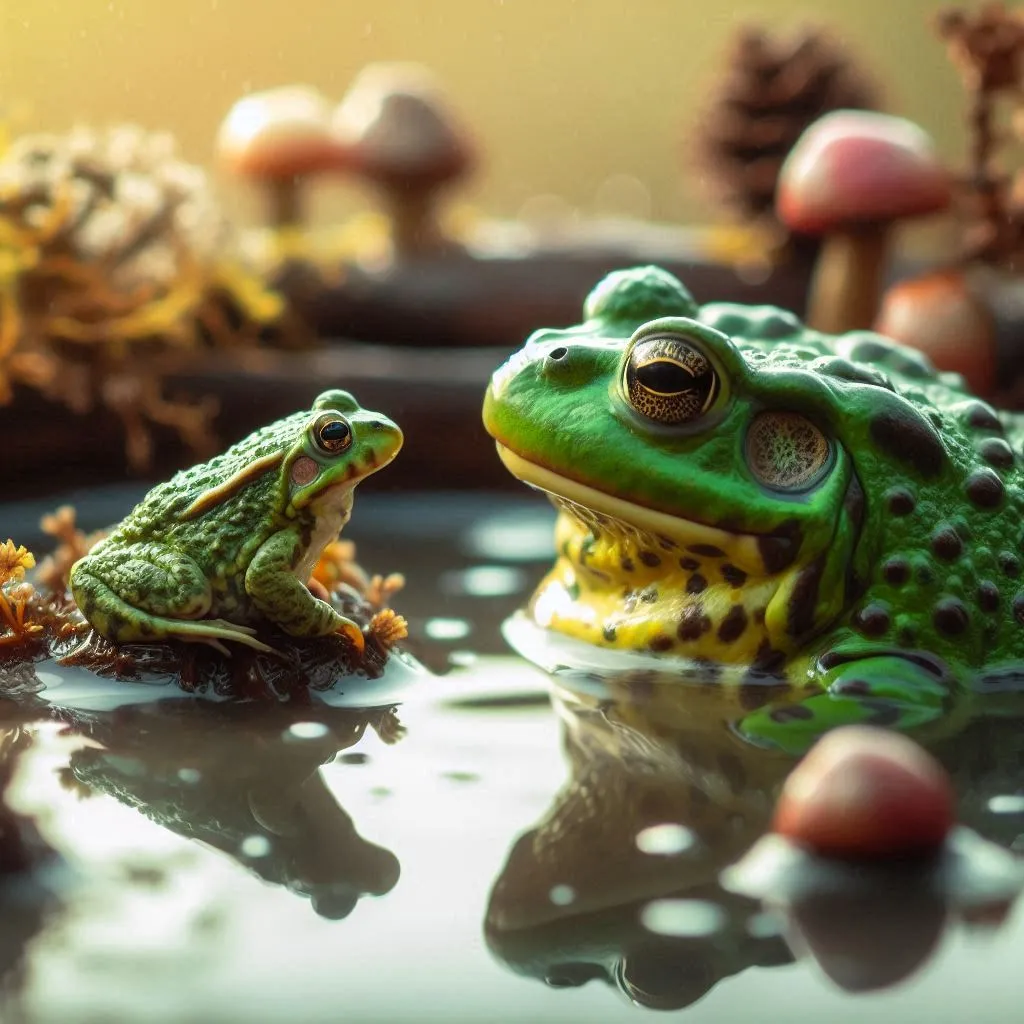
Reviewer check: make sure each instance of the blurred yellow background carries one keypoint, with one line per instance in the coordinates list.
(561, 93)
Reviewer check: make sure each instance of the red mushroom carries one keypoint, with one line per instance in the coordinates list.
(400, 135)
(864, 793)
(279, 138)
(849, 177)
(941, 315)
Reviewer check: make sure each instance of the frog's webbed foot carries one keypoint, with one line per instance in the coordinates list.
(893, 689)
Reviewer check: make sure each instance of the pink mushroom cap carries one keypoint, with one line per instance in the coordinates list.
(860, 167)
(279, 134)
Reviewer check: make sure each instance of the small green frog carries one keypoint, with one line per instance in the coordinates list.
(233, 541)
(795, 513)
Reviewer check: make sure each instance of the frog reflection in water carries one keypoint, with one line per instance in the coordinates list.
(769, 504)
(224, 545)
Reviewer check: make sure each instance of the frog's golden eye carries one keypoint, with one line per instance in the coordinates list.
(332, 433)
(785, 450)
(669, 380)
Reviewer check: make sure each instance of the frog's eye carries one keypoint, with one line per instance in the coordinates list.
(332, 433)
(785, 450)
(669, 380)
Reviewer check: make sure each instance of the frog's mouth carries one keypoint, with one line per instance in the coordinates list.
(748, 551)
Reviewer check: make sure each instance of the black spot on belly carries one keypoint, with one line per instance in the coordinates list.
(665, 544)
(950, 616)
(804, 599)
(902, 432)
(661, 643)
(983, 417)
(996, 452)
(696, 584)
(899, 501)
(649, 595)
(768, 659)
(946, 543)
(1009, 563)
(988, 596)
(650, 559)
(733, 625)
(627, 564)
(707, 550)
(609, 634)
(733, 576)
(780, 547)
(693, 623)
(689, 564)
(985, 488)
(896, 571)
(872, 620)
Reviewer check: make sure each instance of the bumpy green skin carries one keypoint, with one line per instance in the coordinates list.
(917, 525)
(245, 559)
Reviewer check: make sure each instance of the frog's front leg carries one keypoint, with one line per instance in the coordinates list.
(888, 689)
(144, 592)
(271, 583)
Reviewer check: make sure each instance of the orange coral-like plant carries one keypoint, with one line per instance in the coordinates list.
(15, 595)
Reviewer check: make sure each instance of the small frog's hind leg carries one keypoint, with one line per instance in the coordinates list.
(145, 593)
(885, 689)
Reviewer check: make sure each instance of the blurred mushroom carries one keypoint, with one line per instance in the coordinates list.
(865, 793)
(400, 135)
(279, 138)
(849, 177)
(942, 315)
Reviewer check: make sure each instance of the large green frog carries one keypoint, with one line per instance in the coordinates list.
(825, 515)
(231, 543)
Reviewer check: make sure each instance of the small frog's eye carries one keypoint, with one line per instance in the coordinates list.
(332, 433)
(785, 450)
(669, 380)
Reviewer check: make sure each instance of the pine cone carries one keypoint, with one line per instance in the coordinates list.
(775, 88)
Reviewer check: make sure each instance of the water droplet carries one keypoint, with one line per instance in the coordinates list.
(463, 659)
(562, 895)
(683, 919)
(1007, 803)
(255, 847)
(484, 581)
(665, 840)
(190, 776)
(298, 731)
(447, 629)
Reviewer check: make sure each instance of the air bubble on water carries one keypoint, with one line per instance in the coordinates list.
(255, 847)
(562, 895)
(665, 840)
(683, 919)
(190, 776)
(447, 629)
(1007, 803)
(298, 731)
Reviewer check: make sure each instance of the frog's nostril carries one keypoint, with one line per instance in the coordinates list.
(558, 353)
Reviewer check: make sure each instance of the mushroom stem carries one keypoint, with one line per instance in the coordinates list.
(847, 283)
(285, 203)
(415, 231)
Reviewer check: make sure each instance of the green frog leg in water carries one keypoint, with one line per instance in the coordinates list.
(283, 598)
(146, 592)
(887, 689)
